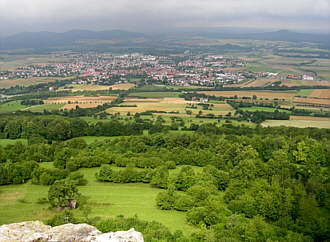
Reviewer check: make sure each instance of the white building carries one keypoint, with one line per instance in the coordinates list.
(308, 78)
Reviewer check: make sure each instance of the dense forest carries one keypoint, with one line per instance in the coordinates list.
(233, 183)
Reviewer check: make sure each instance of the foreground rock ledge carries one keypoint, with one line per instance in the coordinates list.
(33, 231)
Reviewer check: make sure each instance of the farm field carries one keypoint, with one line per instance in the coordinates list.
(29, 81)
(12, 62)
(312, 101)
(122, 86)
(259, 94)
(184, 87)
(80, 100)
(154, 94)
(291, 83)
(83, 105)
(83, 87)
(320, 93)
(166, 105)
(297, 123)
(93, 87)
(19, 202)
(159, 104)
(293, 117)
(259, 83)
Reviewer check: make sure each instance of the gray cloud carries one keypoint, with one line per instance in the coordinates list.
(60, 15)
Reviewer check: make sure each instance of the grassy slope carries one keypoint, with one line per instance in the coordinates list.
(304, 93)
(11, 141)
(11, 107)
(41, 108)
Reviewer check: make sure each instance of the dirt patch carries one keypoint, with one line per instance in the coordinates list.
(122, 86)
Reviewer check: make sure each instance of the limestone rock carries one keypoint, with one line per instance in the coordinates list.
(120, 236)
(35, 231)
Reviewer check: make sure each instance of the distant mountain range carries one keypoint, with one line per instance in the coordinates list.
(281, 35)
(75, 37)
(52, 39)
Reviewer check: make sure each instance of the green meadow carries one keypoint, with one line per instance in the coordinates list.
(11, 107)
(41, 108)
(265, 109)
(4, 142)
(20, 202)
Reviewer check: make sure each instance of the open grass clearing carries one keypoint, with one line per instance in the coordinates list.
(11, 106)
(41, 108)
(91, 139)
(304, 93)
(5, 142)
(19, 202)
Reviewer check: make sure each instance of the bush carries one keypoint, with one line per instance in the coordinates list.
(152, 231)
(165, 200)
(77, 179)
(183, 202)
(63, 218)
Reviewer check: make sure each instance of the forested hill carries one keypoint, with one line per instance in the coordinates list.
(239, 184)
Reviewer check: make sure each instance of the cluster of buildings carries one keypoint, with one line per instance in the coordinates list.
(300, 77)
(184, 70)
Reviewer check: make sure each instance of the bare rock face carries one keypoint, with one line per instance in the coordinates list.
(36, 231)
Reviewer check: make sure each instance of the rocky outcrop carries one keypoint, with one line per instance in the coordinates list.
(34, 231)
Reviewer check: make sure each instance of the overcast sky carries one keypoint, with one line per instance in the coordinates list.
(157, 15)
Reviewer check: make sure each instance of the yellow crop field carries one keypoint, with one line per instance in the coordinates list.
(80, 100)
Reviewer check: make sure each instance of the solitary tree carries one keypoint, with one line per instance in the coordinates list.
(61, 193)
